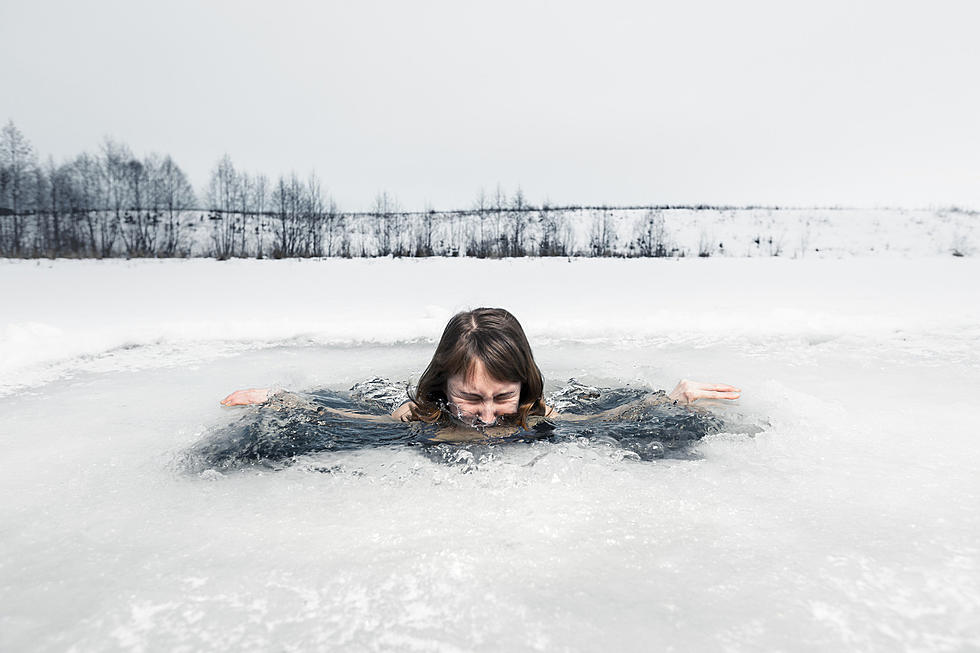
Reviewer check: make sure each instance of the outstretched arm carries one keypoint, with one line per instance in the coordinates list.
(262, 395)
(688, 392)
(246, 397)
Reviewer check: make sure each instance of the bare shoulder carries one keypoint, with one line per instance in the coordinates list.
(404, 412)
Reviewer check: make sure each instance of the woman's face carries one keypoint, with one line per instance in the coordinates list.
(482, 396)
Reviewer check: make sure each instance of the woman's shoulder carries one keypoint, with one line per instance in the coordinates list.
(404, 412)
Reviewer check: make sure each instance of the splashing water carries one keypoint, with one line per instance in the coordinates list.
(292, 425)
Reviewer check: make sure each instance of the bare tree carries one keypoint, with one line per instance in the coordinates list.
(115, 159)
(222, 193)
(519, 217)
(19, 181)
(651, 236)
(478, 244)
(385, 207)
(313, 214)
(140, 224)
(423, 240)
(499, 206)
(288, 203)
(58, 192)
(122, 176)
(555, 232)
(89, 181)
(38, 226)
(243, 199)
(603, 240)
(336, 234)
(260, 192)
(71, 210)
(456, 238)
(175, 197)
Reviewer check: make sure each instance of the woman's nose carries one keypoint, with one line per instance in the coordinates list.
(487, 413)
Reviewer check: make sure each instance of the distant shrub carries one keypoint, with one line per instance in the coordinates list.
(704, 245)
(651, 237)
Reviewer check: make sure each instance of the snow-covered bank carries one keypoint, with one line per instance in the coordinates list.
(505, 232)
(63, 315)
(688, 232)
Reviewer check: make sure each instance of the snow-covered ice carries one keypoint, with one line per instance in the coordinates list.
(850, 522)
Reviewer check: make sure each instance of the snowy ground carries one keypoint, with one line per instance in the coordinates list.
(849, 523)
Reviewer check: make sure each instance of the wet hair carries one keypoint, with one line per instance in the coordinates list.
(496, 338)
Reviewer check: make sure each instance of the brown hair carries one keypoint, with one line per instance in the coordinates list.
(495, 337)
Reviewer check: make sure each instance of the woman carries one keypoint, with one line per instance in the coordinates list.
(483, 373)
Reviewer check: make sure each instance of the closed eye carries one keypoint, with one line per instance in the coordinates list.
(504, 396)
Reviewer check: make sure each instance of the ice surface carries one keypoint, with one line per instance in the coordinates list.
(63, 317)
(849, 522)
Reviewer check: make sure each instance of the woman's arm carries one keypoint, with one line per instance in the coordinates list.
(262, 395)
(246, 397)
(686, 392)
(403, 413)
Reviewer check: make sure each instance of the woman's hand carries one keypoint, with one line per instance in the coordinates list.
(689, 391)
(245, 397)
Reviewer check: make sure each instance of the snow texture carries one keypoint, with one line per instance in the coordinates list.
(848, 521)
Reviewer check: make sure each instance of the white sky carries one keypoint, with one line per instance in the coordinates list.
(831, 102)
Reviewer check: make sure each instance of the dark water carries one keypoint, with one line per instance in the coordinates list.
(645, 426)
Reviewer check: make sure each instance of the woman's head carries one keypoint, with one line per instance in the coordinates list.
(483, 367)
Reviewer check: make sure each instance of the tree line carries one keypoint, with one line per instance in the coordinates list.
(112, 203)
(97, 205)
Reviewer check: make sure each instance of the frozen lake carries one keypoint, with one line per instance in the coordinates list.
(851, 522)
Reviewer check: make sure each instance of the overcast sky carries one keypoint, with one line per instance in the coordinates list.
(821, 103)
